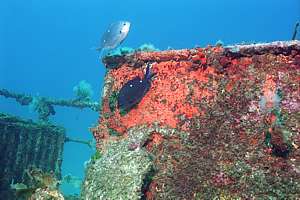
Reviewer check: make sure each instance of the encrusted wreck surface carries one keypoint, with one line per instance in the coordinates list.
(217, 122)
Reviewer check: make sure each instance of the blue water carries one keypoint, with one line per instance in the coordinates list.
(45, 46)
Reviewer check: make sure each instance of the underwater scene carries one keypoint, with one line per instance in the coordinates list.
(150, 100)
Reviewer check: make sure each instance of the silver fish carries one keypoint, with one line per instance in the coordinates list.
(114, 35)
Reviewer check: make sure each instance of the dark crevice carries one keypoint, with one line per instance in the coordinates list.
(146, 182)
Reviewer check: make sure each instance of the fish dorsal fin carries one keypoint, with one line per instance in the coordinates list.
(148, 74)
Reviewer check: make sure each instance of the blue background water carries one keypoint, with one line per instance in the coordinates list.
(45, 45)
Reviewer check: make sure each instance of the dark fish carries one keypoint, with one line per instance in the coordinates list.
(134, 90)
(114, 35)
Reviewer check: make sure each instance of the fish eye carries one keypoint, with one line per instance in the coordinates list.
(124, 24)
(120, 31)
(130, 85)
(141, 81)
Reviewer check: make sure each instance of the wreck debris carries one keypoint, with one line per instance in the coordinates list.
(221, 103)
(138, 59)
(25, 143)
(89, 143)
(39, 185)
(295, 30)
(45, 106)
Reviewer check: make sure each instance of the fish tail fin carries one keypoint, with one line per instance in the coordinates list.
(148, 74)
(101, 54)
(99, 49)
(96, 49)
